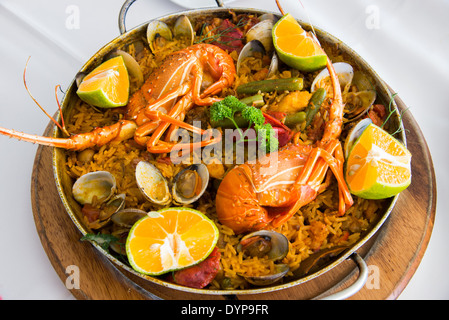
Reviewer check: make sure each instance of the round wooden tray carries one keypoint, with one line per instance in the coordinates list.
(392, 255)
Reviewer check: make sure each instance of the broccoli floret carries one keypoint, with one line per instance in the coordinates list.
(226, 108)
(229, 106)
(253, 115)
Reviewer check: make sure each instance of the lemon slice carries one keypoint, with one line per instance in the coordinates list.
(294, 46)
(170, 239)
(378, 165)
(107, 86)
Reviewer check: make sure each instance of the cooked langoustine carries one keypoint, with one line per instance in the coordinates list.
(163, 100)
(268, 193)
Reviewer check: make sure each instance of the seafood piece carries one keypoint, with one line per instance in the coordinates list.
(156, 107)
(255, 48)
(155, 30)
(269, 16)
(263, 243)
(280, 271)
(190, 184)
(152, 183)
(357, 104)
(126, 218)
(98, 217)
(359, 101)
(249, 50)
(274, 65)
(268, 193)
(98, 184)
(345, 74)
(183, 29)
(123, 221)
(262, 32)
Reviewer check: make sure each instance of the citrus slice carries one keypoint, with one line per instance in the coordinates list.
(295, 47)
(170, 239)
(107, 86)
(378, 165)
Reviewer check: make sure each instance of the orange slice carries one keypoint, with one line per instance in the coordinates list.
(107, 86)
(295, 47)
(378, 165)
(170, 239)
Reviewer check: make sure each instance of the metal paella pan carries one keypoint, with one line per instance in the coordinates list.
(318, 264)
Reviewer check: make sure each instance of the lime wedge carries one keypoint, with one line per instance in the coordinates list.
(295, 47)
(378, 165)
(107, 86)
(170, 239)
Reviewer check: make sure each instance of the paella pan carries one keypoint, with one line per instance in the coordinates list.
(316, 228)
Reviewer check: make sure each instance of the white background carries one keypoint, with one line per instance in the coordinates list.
(408, 46)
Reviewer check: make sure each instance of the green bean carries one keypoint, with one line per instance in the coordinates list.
(290, 84)
(292, 120)
(255, 101)
(314, 105)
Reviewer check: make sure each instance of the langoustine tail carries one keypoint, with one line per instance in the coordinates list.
(119, 131)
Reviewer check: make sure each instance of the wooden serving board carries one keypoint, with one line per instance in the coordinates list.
(393, 254)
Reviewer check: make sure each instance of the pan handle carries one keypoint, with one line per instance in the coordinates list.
(357, 285)
(124, 11)
(122, 15)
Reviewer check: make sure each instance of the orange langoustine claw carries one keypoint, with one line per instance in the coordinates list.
(170, 91)
(267, 194)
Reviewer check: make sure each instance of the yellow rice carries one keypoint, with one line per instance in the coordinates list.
(120, 158)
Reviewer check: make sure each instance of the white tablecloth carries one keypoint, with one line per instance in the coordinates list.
(405, 41)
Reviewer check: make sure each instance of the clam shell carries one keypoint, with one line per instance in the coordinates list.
(279, 246)
(99, 184)
(248, 51)
(157, 28)
(203, 173)
(262, 32)
(152, 183)
(344, 71)
(126, 218)
(281, 271)
(183, 28)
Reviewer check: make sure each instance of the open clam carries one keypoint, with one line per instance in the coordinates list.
(152, 183)
(255, 48)
(262, 32)
(183, 29)
(358, 92)
(359, 102)
(250, 50)
(190, 184)
(126, 218)
(156, 30)
(99, 184)
(123, 221)
(265, 243)
(280, 271)
(345, 74)
(107, 210)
